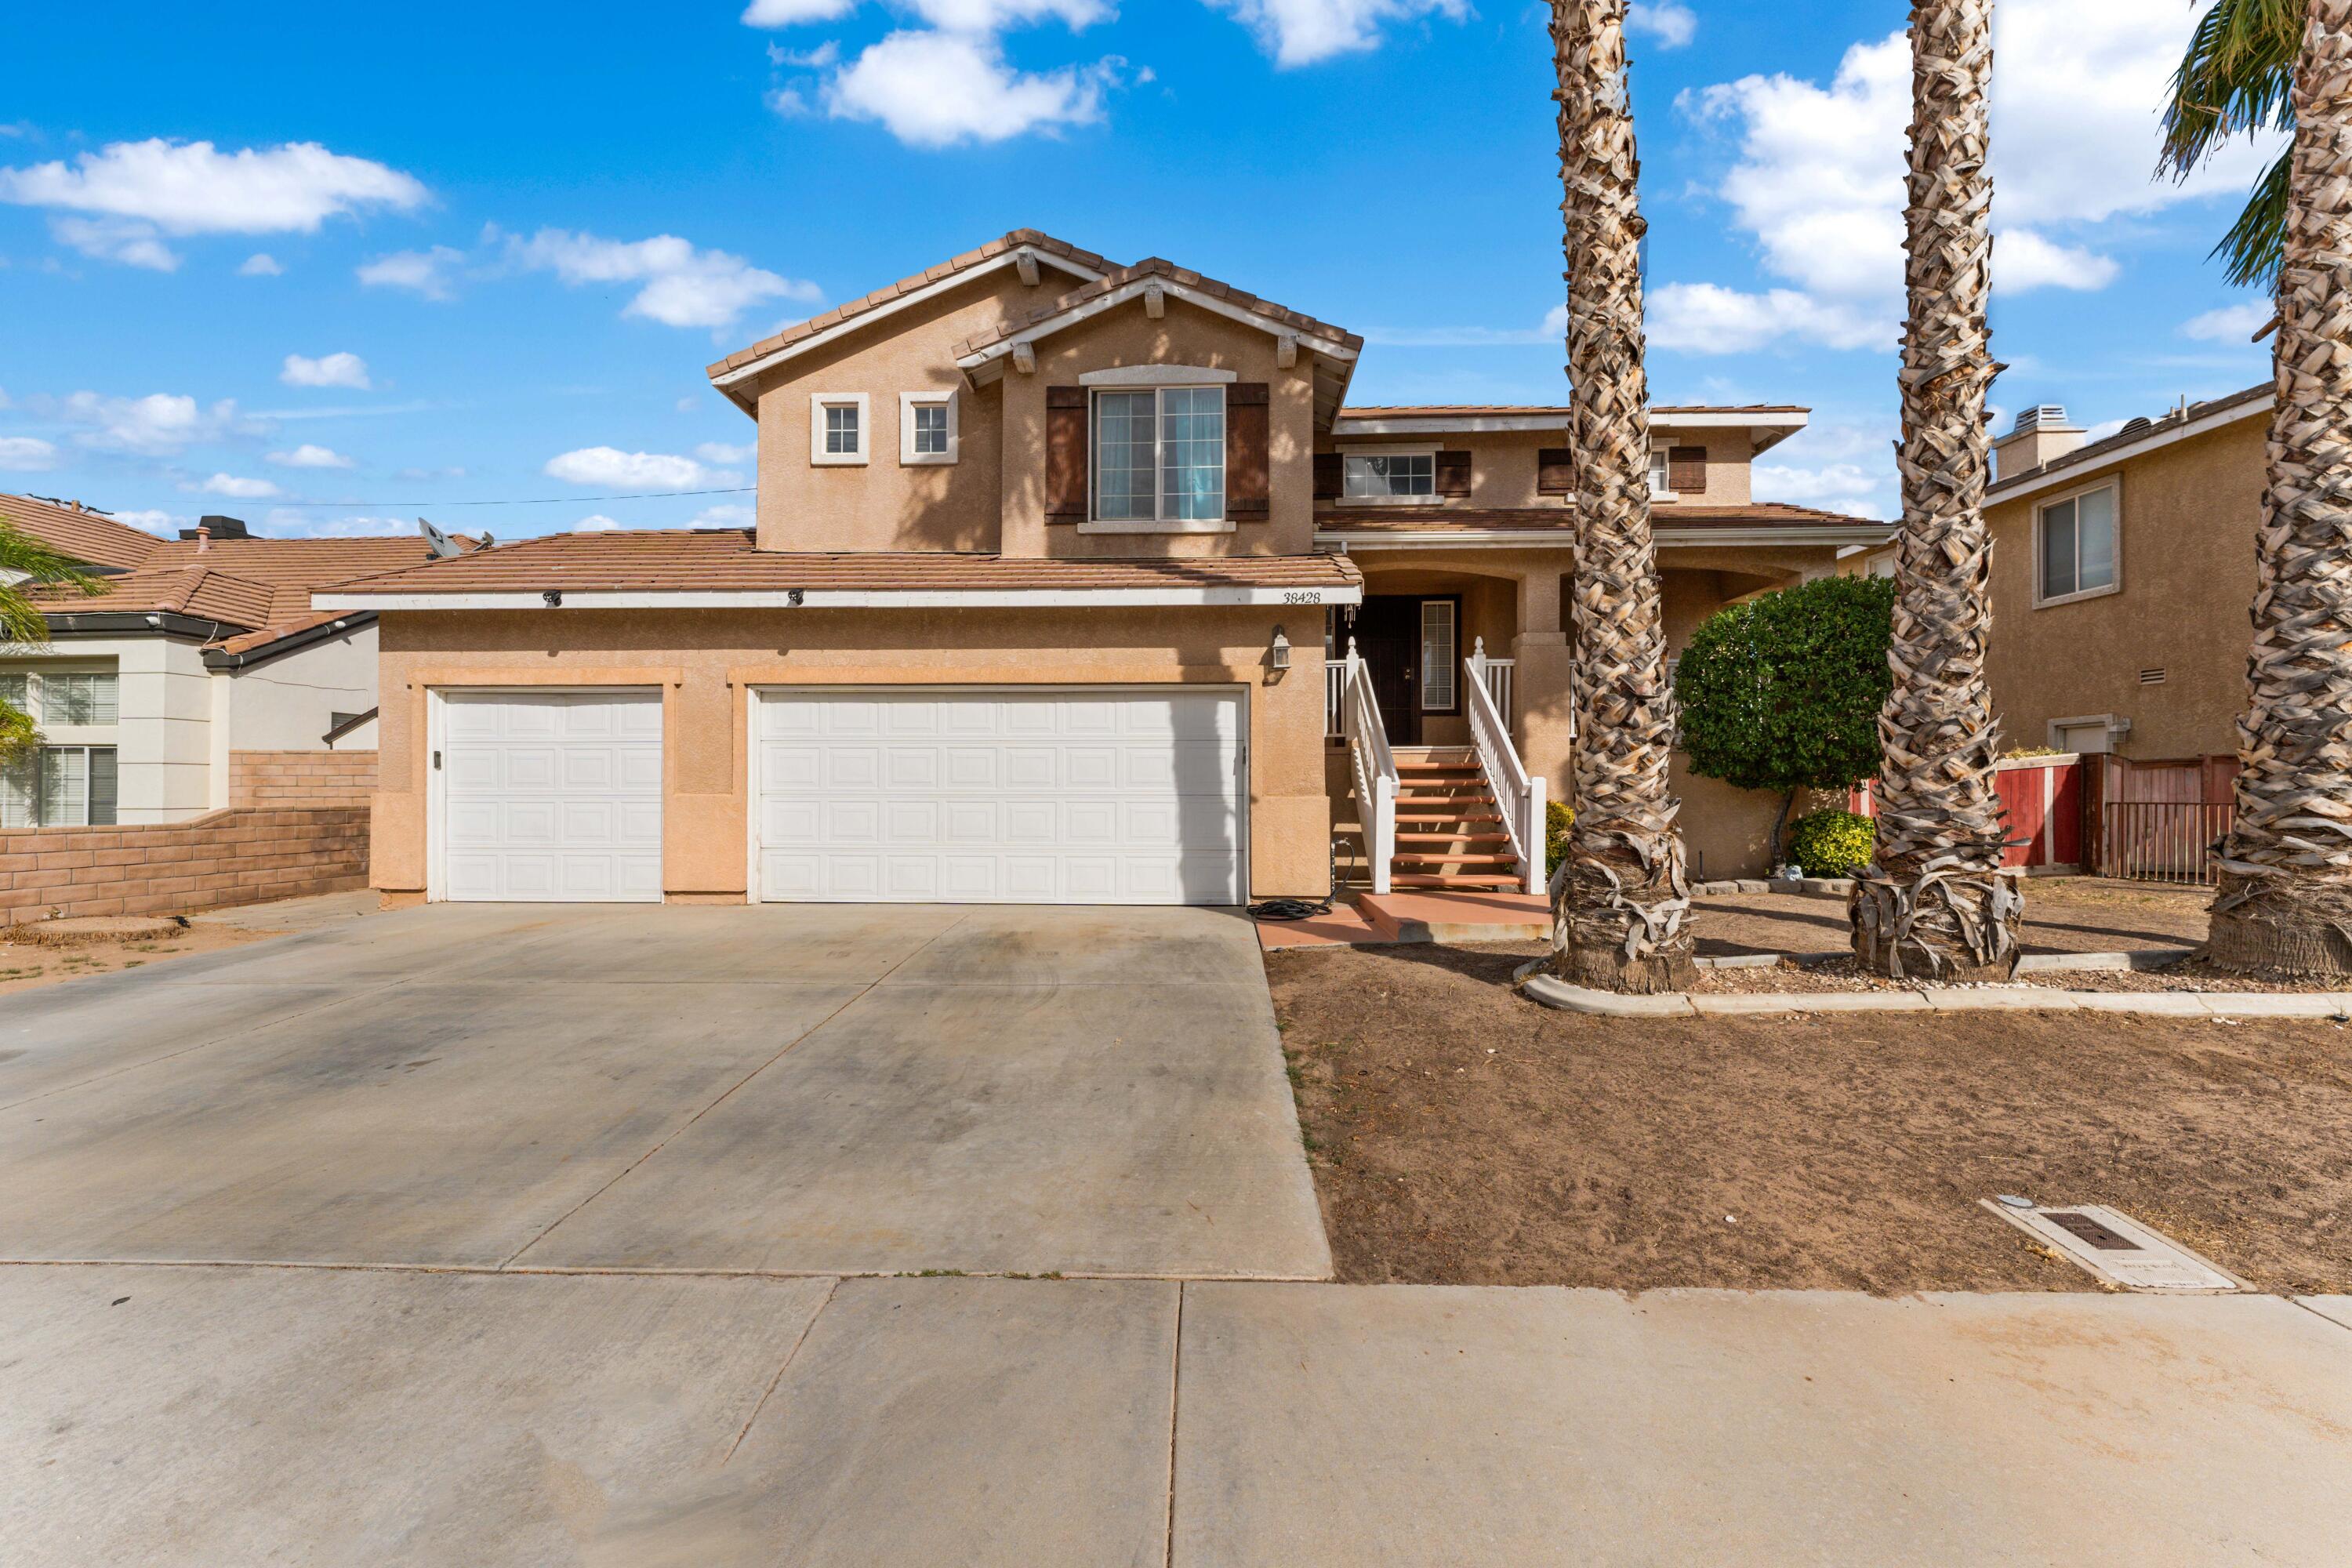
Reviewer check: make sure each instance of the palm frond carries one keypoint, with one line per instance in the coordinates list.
(26, 562)
(2235, 80)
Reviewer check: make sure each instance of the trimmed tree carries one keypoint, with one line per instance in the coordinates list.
(1784, 691)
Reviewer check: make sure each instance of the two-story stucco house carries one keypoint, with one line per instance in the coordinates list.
(199, 678)
(1050, 557)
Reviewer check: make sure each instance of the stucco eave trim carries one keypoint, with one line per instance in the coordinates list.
(1330, 348)
(1564, 538)
(854, 599)
(728, 380)
(2040, 481)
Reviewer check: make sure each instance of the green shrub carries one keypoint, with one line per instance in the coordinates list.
(1832, 843)
(1557, 820)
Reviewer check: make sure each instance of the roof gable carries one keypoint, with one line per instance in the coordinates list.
(1026, 248)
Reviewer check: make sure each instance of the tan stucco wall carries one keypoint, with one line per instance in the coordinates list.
(2185, 517)
(1185, 336)
(704, 661)
(884, 505)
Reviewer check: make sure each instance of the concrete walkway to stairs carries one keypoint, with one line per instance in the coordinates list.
(631, 1237)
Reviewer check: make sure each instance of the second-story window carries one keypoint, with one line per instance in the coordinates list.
(1658, 471)
(838, 427)
(927, 428)
(1391, 476)
(2078, 545)
(1160, 455)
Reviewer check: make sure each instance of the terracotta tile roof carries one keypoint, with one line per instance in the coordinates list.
(91, 537)
(852, 308)
(1156, 267)
(2098, 450)
(1562, 520)
(725, 560)
(258, 589)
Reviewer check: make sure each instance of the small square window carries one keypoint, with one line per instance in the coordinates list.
(931, 428)
(841, 428)
(838, 427)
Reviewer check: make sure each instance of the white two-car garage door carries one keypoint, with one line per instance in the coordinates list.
(1092, 796)
(552, 797)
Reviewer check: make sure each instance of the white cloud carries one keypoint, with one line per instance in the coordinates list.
(996, 15)
(595, 522)
(794, 13)
(425, 272)
(1670, 22)
(239, 489)
(260, 263)
(300, 522)
(681, 286)
(934, 90)
(611, 467)
(1301, 32)
(1833, 483)
(720, 452)
(1818, 181)
(154, 520)
(126, 240)
(26, 454)
(2230, 324)
(306, 455)
(192, 187)
(723, 516)
(157, 425)
(2023, 259)
(329, 370)
(817, 58)
(1706, 318)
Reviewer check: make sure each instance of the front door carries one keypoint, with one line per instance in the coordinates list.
(1388, 635)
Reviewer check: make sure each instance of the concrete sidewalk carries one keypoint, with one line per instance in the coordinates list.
(165, 1416)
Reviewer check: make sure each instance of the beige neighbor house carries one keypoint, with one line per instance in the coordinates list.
(199, 679)
(1056, 567)
(2124, 578)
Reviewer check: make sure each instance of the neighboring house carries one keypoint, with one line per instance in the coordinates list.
(201, 678)
(1049, 555)
(2123, 579)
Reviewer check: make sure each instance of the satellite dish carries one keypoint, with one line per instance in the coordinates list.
(440, 543)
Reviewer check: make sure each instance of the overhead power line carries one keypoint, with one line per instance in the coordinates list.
(526, 501)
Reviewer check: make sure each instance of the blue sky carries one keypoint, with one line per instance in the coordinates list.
(330, 270)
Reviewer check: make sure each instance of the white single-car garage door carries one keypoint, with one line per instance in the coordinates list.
(1094, 796)
(552, 797)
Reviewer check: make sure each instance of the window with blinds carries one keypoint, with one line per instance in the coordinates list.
(55, 698)
(59, 786)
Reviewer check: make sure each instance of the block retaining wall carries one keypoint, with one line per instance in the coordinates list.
(209, 862)
(301, 778)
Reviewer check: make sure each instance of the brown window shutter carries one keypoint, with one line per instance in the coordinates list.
(1686, 470)
(1331, 476)
(1065, 452)
(1551, 471)
(1247, 473)
(1453, 473)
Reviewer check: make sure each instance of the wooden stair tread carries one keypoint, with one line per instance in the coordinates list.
(1486, 884)
(1466, 858)
(1453, 838)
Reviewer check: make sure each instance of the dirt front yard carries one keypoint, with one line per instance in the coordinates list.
(1462, 1134)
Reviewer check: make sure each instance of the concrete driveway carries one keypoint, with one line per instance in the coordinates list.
(804, 1089)
(504, 1236)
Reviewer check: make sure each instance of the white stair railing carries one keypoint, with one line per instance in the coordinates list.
(1498, 683)
(1372, 764)
(1519, 797)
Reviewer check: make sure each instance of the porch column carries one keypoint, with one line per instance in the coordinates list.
(1541, 682)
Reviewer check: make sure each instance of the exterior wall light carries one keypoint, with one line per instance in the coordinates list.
(1279, 655)
(552, 598)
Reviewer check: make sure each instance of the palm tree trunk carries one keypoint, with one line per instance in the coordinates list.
(1619, 902)
(2286, 898)
(1934, 905)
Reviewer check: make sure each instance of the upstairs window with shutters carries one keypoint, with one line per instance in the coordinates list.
(1391, 476)
(1160, 455)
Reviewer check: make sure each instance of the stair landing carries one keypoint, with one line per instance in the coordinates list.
(1376, 920)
